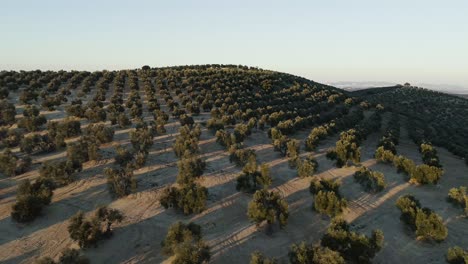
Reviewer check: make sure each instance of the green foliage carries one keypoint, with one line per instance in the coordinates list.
(88, 232)
(120, 182)
(353, 247)
(253, 177)
(31, 121)
(456, 255)
(383, 155)
(65, 128)
(327, 198)
(190, 198)
(37, 144)
(60, 173)
(11, 164)
(459, 197)
(241, 156)
(346, 149)
(123, 156)
(429, 155)
(7, 113)
(31, 198)
(187, 141)
(190, 168)
(258, 258)
(372, 181)
(426, 223)
(292, 152)
(141, 138)
(186, 243)
(268, 206)
(308, 254)
(102, 134)
(307, 167)
(69, 256)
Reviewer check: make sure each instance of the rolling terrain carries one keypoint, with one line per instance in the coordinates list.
(292, 105)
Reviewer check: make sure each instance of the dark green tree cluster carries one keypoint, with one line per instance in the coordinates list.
(11, 164)
(292, 152)
(268, 206)
(372, 181)
(258, 258)
(88, 232)
(185, 242)
(352, 246)
(69, 256)
(10, 137)
(101, 133)
(120, 182)
(338, 124)
(426, 224)
(419, 174)
(31, 198)
(186, 142)
(189, 198)
(391, 137)
(37, 143)
(459, 198)
(307, 167)
(7, 113)
(456, 255)
(32, 120)
(304, 253)
(253, 177)
(241, 156)
(346, 149)
(429, 155)
(59, 131)
(60, 173)
(327, 198)
(190, 168)
(83, 150)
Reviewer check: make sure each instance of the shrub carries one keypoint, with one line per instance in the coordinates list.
(190, 198)
(383, 155)
(292, 152)
(456, 255)
(268, 206)
(327, 198)
(189, 169)
(31, 121)
(30, 199)
(371, 180)
(37, 144)
(7, 113)
(120, 182)
(353, 247)
(458, 197)
(308, 254)
(307, 167)
(69, 256)
(187, 141)
(60, 173)
(102, 134)
(346, 149)
(66, 128)
(11, 164)
(253, 177)
(88, 232)
(258, 258)
(241, 156)
(429, 155)
(123, 156)
(186, 243)
(425, 222)
(425, 174)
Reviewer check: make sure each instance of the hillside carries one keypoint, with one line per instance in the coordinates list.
(255, 160)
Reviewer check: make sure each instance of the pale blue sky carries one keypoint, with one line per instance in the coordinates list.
(327, 41)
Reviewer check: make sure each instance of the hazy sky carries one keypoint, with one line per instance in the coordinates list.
(396, 41)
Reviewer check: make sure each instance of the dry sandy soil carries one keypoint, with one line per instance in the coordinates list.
(230, 234)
